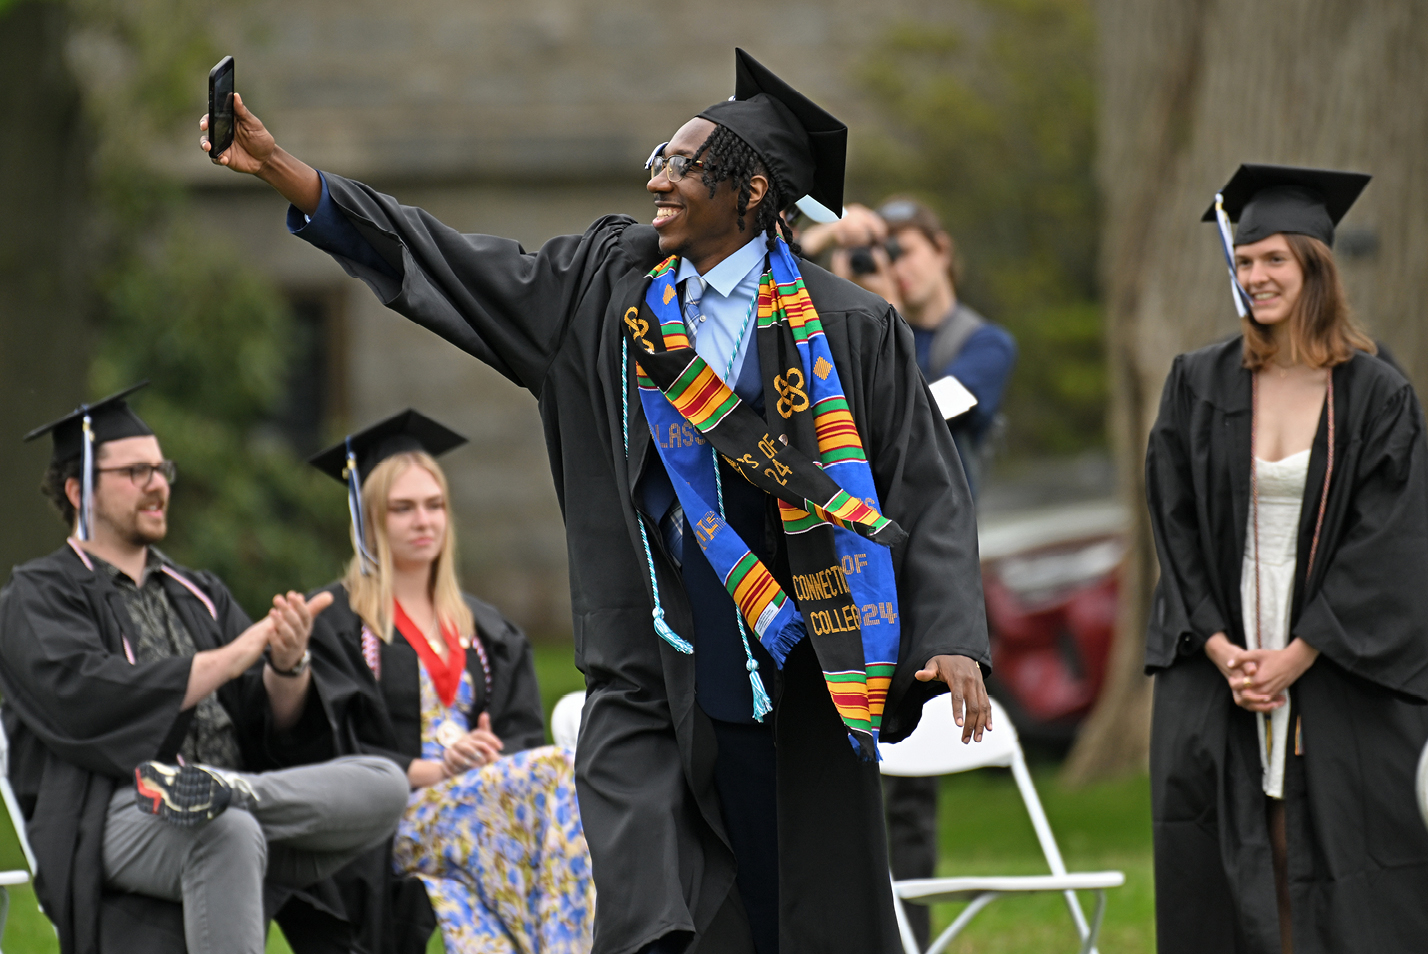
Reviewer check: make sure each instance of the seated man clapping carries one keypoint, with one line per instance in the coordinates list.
(144, 711)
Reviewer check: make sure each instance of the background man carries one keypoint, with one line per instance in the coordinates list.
(951, 338)
(910, 259)
(707, 821)
(139, 699)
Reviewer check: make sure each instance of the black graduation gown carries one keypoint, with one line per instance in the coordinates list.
(550, 321)
(383, 717)
(80, 717)
(1358, 850)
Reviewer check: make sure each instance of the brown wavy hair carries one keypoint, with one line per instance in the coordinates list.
(1322, 329)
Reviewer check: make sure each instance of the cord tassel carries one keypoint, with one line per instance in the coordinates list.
(86, 481)
(354, 508)
(662, 629)
(1242, 298)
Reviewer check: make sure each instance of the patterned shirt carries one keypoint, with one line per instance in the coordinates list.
(211, 738)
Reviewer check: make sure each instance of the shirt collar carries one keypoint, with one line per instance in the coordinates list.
(154, 560)
(725, 276)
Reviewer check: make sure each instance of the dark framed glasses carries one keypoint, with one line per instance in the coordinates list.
(141, 475)
(675, 167)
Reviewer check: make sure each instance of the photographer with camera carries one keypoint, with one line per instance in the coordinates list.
(860, 251)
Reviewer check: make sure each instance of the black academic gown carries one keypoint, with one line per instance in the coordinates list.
(372, 716)
(80, 717)
(550, 321)
(1358, 850)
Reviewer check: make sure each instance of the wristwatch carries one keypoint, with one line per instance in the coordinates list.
(292, 673)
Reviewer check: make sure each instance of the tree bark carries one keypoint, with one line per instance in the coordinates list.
(1188, 90)
(44, 277)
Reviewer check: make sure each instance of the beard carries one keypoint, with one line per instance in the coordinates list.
(128, 527)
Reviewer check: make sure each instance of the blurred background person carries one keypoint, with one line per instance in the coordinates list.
(856, 248)
(952, 339)
(444, 685)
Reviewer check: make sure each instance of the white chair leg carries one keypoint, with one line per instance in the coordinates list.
(904, 929)
(1089, 946)
(963, 919)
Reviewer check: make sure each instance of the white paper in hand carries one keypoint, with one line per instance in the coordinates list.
(953, 399)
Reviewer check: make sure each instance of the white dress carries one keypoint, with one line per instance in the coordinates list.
(1281, 497)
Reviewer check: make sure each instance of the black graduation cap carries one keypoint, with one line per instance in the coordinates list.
(110, 419)
(1268, 199)
(408, 431)
(353, 459)
(804, 147)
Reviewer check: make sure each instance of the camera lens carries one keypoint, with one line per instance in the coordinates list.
(860, 260)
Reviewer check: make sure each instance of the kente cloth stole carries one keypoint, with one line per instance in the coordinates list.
(445, 673)
(809, 456)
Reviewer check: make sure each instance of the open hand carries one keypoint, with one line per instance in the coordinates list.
(970, 705)
(252, 145)
(291, 618)
(478, 747)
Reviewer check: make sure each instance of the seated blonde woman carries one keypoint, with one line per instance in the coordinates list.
(444, 685)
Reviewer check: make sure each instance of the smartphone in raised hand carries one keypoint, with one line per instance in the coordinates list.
(220, 107)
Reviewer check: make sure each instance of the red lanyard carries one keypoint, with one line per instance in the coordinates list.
(445, 673)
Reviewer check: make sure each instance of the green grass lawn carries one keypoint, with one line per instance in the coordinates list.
(984, 830)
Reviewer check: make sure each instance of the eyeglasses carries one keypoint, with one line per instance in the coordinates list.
(676, 167)
(141, 475)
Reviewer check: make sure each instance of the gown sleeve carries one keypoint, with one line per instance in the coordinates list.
(924, 490)
(86, 704)
(487, 295)
(1184, 612)
(1368, 612)
(517, 716)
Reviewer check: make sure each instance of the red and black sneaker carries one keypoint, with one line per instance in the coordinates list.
(183, 795)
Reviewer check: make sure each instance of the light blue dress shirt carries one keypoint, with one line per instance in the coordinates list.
(723, 311)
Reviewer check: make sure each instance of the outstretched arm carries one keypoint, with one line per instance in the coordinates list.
(257, 153)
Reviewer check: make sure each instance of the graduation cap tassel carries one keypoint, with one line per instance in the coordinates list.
(86, 480)
(1242, 298)
(354, 507)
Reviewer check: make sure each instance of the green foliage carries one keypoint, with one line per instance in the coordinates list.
(214, 338)
(993, 126)
(176, 307)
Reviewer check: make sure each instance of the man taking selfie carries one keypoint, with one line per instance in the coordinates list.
(772, 547)
(144, 711)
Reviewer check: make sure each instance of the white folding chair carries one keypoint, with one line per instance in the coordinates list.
(936, 748)
(565, 719)
(1422, 785)
(17, 860)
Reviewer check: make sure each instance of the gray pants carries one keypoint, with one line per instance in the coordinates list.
(308, 822)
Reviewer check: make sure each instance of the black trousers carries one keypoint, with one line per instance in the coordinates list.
(911, 805)
(745, 777)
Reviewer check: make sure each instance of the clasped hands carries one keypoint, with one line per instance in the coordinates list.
(475, 749)
(1259, 679)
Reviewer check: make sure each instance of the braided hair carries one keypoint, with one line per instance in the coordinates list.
(726, 156)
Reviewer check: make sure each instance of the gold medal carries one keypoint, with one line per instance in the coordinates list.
(449, 733)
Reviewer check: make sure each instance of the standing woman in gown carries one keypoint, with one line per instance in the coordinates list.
(443, 684)
(1288, 492)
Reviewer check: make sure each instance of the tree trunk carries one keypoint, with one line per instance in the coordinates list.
(1188, 90)
(44, 278)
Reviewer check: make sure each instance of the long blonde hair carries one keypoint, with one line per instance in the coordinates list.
(371, 596)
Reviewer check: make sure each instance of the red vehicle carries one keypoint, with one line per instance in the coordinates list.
(1051, 579)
